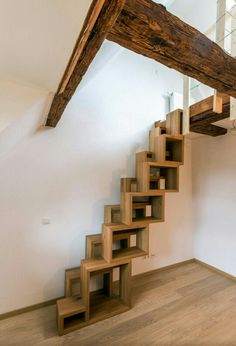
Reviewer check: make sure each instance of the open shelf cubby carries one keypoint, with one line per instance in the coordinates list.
(169, 148)
(71, 314)
(142, 207)
(72, 282)
(114, 297)
(123, 242)
(158, 176)
(112, 213)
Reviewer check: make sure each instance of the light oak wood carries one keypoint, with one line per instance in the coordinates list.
(169, 148)
(143, 156)
(128, 185)
(153, 198)
(110, 234)
(157, 129)
(174, 123)
(112, 214)
(148, 180)
(70, 314)
(72, 282)
(93, 246)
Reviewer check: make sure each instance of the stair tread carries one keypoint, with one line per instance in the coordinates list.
(163, 163)
(131, 252)
(100, 263)
(69, 306)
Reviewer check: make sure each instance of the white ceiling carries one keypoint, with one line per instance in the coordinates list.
(37, 38)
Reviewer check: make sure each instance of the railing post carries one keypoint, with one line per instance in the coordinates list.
(186, 104)
(220, 39)
(233, 53)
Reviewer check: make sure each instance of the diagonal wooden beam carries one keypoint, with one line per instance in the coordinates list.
(149, 29)
(100, 19)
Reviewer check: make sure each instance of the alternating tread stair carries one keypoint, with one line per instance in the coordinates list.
(125, 233)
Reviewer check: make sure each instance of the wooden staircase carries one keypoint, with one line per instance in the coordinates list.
(125, 233)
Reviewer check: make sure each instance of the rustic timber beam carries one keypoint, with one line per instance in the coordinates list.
(100, 19)
(149, 29)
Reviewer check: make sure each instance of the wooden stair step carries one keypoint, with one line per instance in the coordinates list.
(138, 247)
(100, 264)
(71, 313)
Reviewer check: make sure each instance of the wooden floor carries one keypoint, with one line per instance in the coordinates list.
(189, 305)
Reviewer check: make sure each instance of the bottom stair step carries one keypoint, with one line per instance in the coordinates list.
(71, 313)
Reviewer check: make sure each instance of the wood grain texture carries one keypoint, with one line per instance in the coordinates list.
(149, 29)
(91, 38)
(203, 116)
(187, 305)
(174, 123)
(174, 145)
(110, 234)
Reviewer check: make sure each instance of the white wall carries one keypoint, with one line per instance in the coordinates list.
(214, 200)
(23, 109)
(69, 173)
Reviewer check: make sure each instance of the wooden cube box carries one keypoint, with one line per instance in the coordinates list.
(72, 282)
(142, 207)
(115, 246)
(169, 148)
(150, 175)
(99, 304)
(71, 314)
(112, 214)
(174, 123)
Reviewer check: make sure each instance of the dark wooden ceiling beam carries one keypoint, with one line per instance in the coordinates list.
(149, 29)
(100, 19)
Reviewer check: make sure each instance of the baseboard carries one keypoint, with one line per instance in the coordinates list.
(172, 266)
(28, 308)
(216, 270)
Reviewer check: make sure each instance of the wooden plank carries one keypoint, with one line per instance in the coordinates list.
(93, 34)
(186, 104)
(203, 116)
(217, 102)
(149, 29)
(72, 282)
(233, 53)
(125, 284)
(112, 213)
(174, 123)
(93, 246)
(174, 145)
